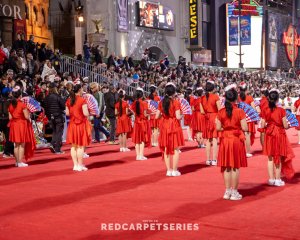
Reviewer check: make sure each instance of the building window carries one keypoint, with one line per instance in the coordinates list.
(35, 14)
(43, 16)
(26, 12)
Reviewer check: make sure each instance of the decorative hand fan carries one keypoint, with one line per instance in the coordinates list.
(185, 107)
(251, 114)
(31, 104)
(256, 103)
(152, 106)
(92, 104)
(291, 119)
(222, 101)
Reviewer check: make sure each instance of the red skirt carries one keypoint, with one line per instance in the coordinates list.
(154, 123)
(198, 122)
(252, 131)
(123, 125)
(210, 126)
(21, 132)
(171, 135)
(232, 153)
(298, 118)
(187, 120)
(141, 132)
(277, 146)
(79, 133)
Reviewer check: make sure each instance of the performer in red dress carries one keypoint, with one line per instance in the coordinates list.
(277, 146)
(231, 121)
(171, 135)
(79, 128)
(210, 105)
(21, 132)
(154, 124)
(198, 119)
(264, 103)
(123, 121)
(141, 135)
(297, 111)
(187, 117)
(250, 135)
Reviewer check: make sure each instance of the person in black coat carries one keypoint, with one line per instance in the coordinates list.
(110, 99)
(31, 47)
(54, 108)
(111, 61)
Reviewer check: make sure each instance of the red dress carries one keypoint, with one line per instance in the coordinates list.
(210, 108)
(154, 123)
(264, 103)
(198, 119)
(232, 151)
(276, 142)
(141, 129)
(297, 105)
(21, 129)
(123, 121)
(251, 125)
(79, 128)
(171, 135)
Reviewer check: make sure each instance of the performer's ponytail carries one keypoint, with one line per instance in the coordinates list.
(152, 91)
(75, 90)
(139, 95)
(243, 94)
(230, 97)
(121, 96)
(170, 90)
(209, 87)
(16, 93)
(273, 98)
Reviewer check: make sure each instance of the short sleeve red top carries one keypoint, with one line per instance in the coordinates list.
(76, 113)
(233, 123)
(210, 105)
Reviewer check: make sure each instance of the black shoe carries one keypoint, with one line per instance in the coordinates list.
(52, 149)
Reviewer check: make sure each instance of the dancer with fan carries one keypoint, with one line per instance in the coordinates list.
(141, 135)
(187, 117)
(21, 132)
(154, 123)
(123, 121)
(171, 135)
(250, 135)
(198, 118)
(277, 146)
(231, 122)
(211, 105)
(264, 103)
(79, 128)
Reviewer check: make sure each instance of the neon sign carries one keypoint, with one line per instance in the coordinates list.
(193, 9)
(291, 40)
(248, 8)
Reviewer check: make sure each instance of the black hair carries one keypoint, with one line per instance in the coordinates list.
(187, 94)
(209, 87)
(121, 96)
(75, 90)
(139, 95)
(199, 92)
(230, 97)
(16, 95)
(273, 98)
(152, 91)
(243, 94)
(266, 93)
(170, 90)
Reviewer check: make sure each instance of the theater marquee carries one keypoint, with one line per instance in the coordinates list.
(194, 32)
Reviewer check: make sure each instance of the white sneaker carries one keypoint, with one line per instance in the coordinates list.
(176, 173)
(227, 194)
(202, 146)
(85, 155)
(141, 158)
(190, 140)
(279, 183)
(235, 196)
(271, 182)
(208, 162)
(75, 168)
(214, 162)
(126, 150)
(21, 164)
(169, 173)
(179, 151)
(299, 143)
(81, 168)
(248, 155)
(122, 150)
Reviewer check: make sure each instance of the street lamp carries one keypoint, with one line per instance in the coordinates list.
(80, 19)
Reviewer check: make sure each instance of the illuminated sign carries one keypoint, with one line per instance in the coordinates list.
(248, 8)
(291, 40)
(193, 9)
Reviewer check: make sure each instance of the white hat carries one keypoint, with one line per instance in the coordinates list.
(171, 84)
(229, 87)
(140, 89)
